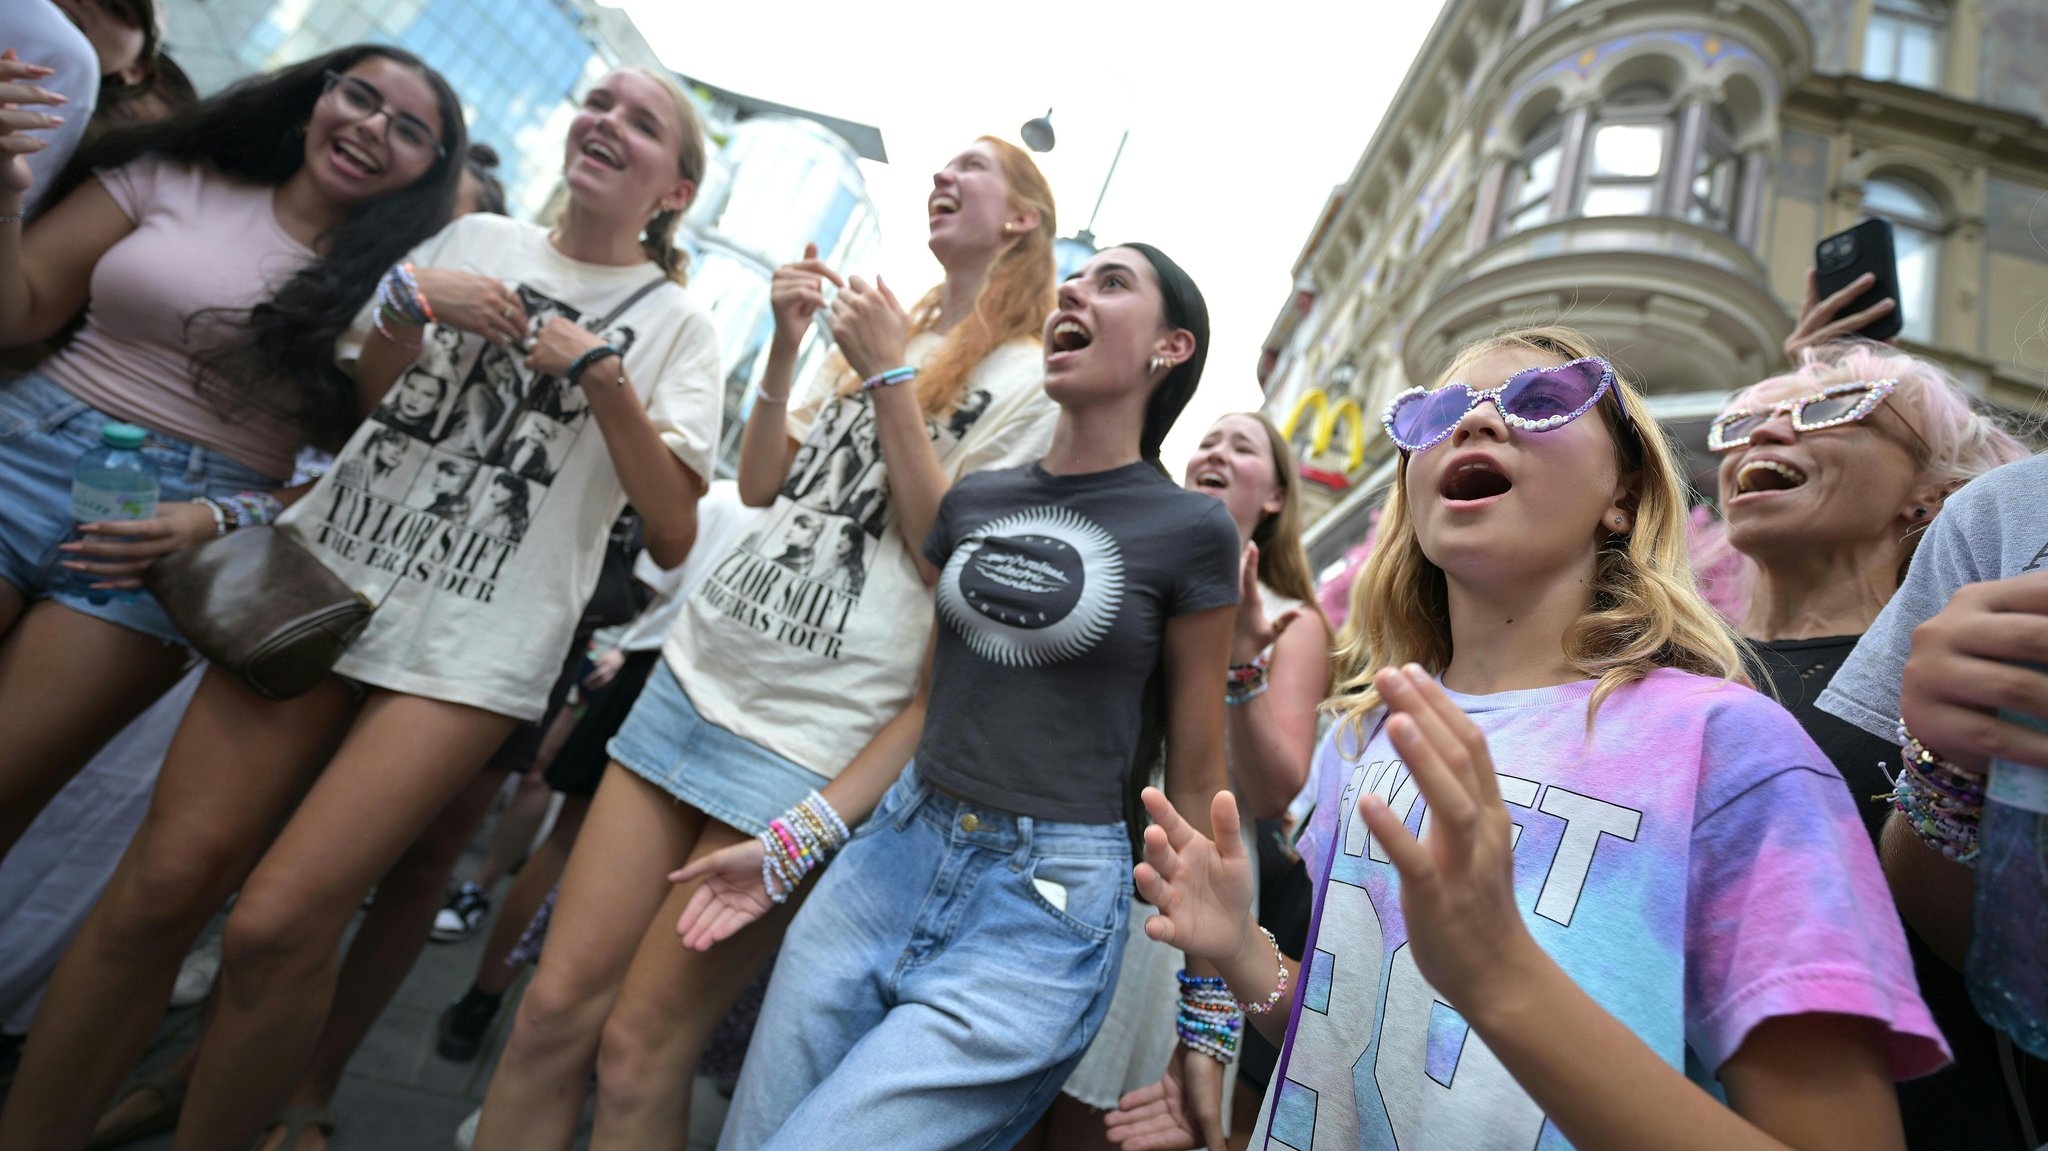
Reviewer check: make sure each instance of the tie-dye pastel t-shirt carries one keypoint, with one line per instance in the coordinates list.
(1695, 865)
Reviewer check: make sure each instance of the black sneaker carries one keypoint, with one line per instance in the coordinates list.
(463, 915)
(463, 1025)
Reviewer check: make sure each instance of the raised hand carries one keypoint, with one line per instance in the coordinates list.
(1965, 666)
(16, 91)
(869, 326)
(797, 292)
(1817, 317)
(1202, 887)
(731, 896)
(1183, 1110)
(1457, 884)
(116, 551)
(474, 303)
(1254, 633)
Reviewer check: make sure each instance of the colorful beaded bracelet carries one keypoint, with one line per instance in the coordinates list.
(890, 378)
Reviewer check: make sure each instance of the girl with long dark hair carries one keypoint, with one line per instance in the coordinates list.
(1280, 661)
(217, 256)
(959, 954)
(1577, 884)
(467, 637)
(774, 680)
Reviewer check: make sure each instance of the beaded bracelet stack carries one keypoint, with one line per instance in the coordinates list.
(799, 843)
(241, 510)
(1246, 682)
(399, 299)
(1939, 800)
(1279, 983)
(1209, 1019)
(890, 378)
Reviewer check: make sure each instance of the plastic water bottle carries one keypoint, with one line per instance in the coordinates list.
(2007, 966)
(113, 481)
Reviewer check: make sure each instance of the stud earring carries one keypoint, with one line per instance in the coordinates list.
(1919, 513)
(1160, 364)
(1621, 523)
(1008, 227)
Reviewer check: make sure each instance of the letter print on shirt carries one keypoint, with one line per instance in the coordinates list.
(798, 576)
(1377, 1058)
(459, 459)
(1033, 588)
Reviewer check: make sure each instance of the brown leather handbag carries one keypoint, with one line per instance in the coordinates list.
(256, 604)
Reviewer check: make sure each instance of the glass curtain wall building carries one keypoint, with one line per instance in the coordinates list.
(779, 183)
(517, 64)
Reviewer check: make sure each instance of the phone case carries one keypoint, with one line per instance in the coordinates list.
(1842, 257)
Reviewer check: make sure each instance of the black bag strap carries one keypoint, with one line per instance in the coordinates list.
(639, 294)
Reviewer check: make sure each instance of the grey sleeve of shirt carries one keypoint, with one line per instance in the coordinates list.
(1993, 528)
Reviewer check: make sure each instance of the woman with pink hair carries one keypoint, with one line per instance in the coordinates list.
(1829, 474)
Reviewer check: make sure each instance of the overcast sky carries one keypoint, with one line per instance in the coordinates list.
(1239, 127)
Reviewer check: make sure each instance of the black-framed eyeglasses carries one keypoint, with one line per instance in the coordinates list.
(359, 100)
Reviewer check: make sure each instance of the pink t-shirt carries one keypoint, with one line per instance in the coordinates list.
(1696, 866)
(201, 241)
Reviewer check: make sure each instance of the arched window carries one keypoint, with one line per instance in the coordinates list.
(1711, 199)
(1905, 41)
(1628, 152)
(1917, 224)
(1526, 201)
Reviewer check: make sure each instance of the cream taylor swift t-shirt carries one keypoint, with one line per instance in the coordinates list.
(809, 634)
(473, 506)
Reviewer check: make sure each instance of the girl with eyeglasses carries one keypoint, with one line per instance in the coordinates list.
(1830, 474)
(216, 257)
(471, 622)
(1577, 883)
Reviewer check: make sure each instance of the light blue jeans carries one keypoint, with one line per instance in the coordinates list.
(933, 992)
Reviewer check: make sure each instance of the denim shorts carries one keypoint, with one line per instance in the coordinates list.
(733, 780)
(941, 982)
(43, 431)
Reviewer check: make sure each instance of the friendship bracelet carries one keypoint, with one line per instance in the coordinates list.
(1208, 1020)
(1939, 800)
(581, 363)
(419, 296)
(220, 515)
(1281, 989)
(259, 507)
(1245, 681)
(761, 394)
(890, 378)
(14, 218)
(799, 842)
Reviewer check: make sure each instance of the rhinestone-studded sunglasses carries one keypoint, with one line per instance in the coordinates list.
(1536, 400)
(1828, 408)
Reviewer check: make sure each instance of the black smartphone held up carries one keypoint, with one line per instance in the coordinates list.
(1842, 257)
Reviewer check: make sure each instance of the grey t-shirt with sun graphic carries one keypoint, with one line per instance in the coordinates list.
(1054, 594)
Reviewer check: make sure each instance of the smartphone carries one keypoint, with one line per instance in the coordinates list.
(1842, 257)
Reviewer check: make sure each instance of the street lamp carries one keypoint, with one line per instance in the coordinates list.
(1038, 133)
(1070, 252)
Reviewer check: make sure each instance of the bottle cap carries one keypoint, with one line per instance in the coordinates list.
(127, 437)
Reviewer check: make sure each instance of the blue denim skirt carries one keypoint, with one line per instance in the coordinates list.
(43, 431)
(733, 780)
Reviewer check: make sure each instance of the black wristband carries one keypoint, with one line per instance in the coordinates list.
(577, 366)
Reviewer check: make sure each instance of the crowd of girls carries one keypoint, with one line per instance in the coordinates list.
(952, 648)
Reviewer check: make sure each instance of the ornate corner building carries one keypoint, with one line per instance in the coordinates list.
(1657, 172)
